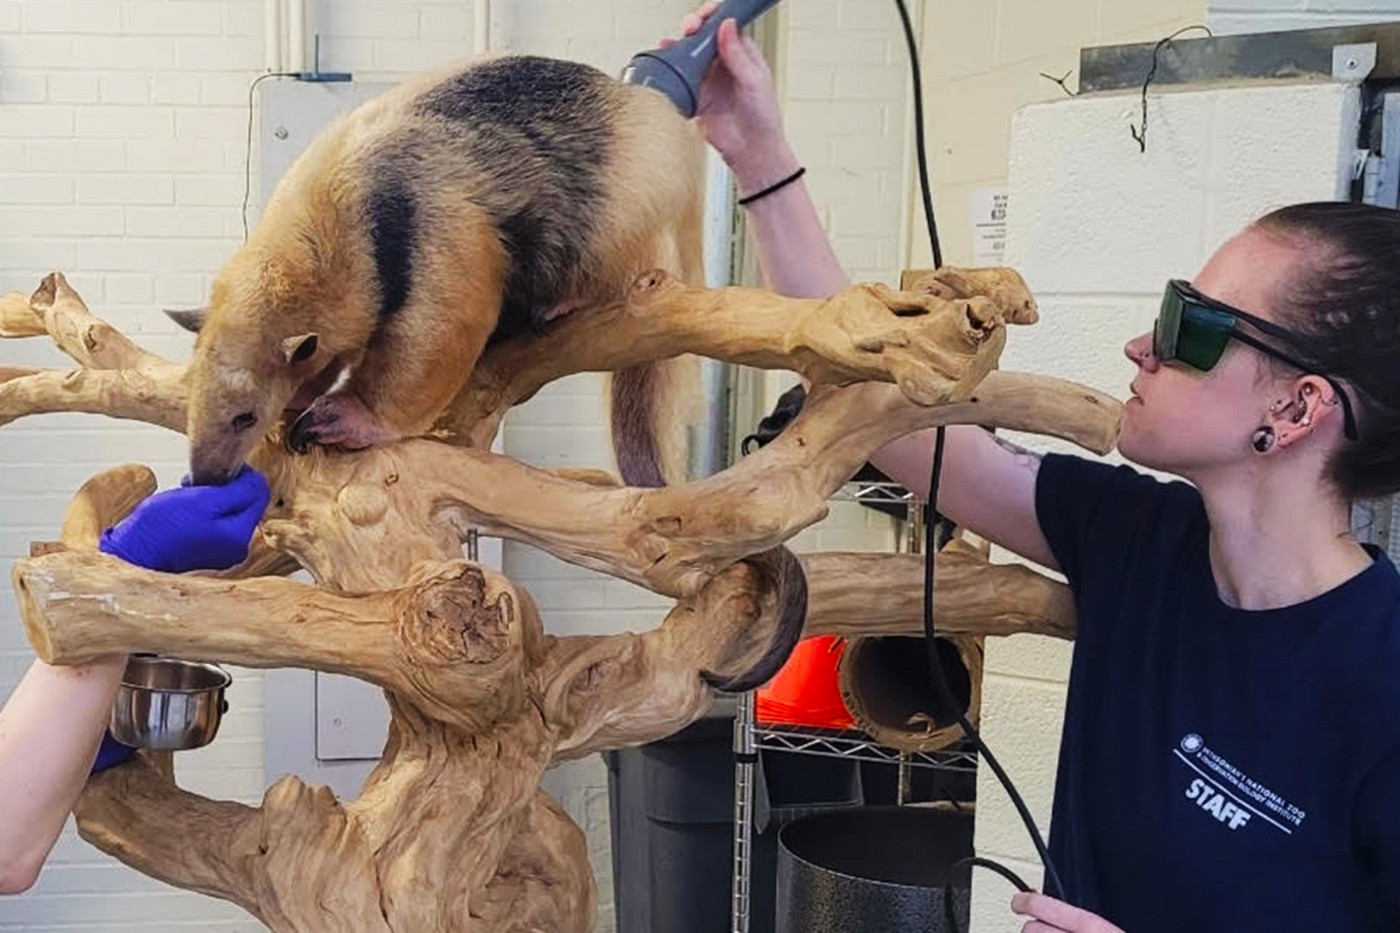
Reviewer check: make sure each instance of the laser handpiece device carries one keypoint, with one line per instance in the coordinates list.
(677, 71)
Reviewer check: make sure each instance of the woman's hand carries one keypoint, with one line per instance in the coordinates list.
(192, 527)
(737, 108)
(1051, 916)
(738, 113)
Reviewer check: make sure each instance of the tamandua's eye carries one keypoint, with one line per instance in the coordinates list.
(304, 349)
(244, 421)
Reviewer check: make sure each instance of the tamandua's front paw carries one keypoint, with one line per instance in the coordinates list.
(338, 420)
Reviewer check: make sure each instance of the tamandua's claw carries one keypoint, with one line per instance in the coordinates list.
(302, 434)
(338, 420)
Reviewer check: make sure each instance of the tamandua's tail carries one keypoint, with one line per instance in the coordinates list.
(653, 406)
(634, 425)
(657, 185)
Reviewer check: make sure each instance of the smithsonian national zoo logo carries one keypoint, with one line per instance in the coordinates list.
(1229, 795)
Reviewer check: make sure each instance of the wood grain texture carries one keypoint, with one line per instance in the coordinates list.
(451, 831)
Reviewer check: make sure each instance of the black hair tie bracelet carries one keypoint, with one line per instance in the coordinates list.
(745, 202)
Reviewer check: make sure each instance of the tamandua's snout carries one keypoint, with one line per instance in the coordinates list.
(233, 406)
(221, 437)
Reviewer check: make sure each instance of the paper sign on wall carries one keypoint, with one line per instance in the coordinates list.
(986, 211)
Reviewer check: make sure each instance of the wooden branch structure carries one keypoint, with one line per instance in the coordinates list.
(451, 831)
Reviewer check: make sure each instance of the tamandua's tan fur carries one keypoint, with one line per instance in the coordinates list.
(461, 205)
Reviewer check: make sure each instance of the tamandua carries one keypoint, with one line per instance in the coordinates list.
(456, 208)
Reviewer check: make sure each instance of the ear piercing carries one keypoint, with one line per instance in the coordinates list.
(1264, 439)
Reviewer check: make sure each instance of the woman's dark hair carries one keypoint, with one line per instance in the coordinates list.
(1345, 296)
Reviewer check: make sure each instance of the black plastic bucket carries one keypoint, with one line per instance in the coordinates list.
(872, 869)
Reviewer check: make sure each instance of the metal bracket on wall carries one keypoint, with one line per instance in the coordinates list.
(1353, 62)
(1295, 55)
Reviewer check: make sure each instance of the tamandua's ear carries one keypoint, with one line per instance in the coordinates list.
(191, 319)
(300, 348)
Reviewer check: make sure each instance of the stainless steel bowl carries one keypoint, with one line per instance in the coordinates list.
(168, 704)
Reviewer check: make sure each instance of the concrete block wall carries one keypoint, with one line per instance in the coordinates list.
(983, 59)
(122, 163)
(1246, 16)
(1097, 227)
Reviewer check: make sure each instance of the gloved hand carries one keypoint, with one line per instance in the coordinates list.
(193, 527)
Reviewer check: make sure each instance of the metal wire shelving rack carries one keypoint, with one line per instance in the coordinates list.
(751, 736)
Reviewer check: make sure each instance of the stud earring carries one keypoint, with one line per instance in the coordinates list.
(1263, 439)
(1307, 420)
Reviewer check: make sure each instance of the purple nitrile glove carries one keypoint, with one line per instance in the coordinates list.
(190, 528)
(193, 527)
(111, 753)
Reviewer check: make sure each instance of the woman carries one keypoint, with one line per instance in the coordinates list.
(1231, 749)
(51, 728)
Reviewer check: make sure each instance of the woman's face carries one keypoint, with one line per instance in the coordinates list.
(1194, 423)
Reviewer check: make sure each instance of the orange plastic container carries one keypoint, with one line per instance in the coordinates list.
(805, 691)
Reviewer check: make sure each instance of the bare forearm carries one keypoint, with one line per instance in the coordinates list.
(794, 251)
(909, 461)
(987, 484)
(49, 732)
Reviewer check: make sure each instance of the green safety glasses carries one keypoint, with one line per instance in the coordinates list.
(1195, 330)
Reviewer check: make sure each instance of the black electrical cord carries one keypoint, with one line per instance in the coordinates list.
(950, 916)
(248, 144)
(924, 186)
(973, 736)
(930, 516)
(1140, 136)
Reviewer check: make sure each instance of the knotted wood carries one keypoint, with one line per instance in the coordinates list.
(451, 831)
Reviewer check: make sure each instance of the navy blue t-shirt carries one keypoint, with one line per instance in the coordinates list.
(1220, 769)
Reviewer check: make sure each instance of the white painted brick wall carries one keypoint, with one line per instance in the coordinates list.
(1096, 228)
(385, 40)
(845, 73)
(1245, 16)
(99, 148)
